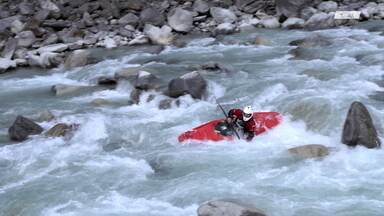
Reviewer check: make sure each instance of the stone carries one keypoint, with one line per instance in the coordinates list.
(45, 116)
(312, 41)
(327, 6)
(9, 48)
(191, 83)
(224, 29)
(180, 20)
(359, 128)
(320, 21)
(60, 47)
(100, 102)
(49, 6)
(21, 62)
(160, 36)
(132, 4)
(134, 97)
(200, 6)
(146, 81)
(51, 39)
(226, 208)
(293, 23)
(7, 22)
(26, 8)
(6, 64)
(45, 60)
(22, 127)
(58, 130)
(77, 58)
(165, 104)
(270, 22)
(139, 40)
(252, 6)
(63, 89)
(152, 16)
(310, 151)
(307, 12)
(106, 81)
(129, 19)
(25, 38)
(17, 26)
(291, 8)
(56, 24)
(222, 15)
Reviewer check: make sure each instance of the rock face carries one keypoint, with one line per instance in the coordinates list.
(22, 128)
(359, 129)
(310, 151)
(221, 15)
(180, 20)
(191, 83)
(160, 36)
(224, 208)
(58, 130)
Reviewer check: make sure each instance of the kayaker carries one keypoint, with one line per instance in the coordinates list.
(243, 119)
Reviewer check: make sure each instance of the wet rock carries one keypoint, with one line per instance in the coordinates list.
(45, 116)
(270, 22)
(23, 127)
(191, 83)
(45, 60)
(77, 58)
(369, 10)
(146, 81)
(180, 20)
(222, 15)
(134, 97)
(224, 29)
(327, 6)
(359, 129)
(9, 48)
(320, 21)
(152, 16)
(160, 36)
(100, 102)
(58, 130)
(310, 151)
(291, 8)
(63, 89)
(293, 23)
(107, 81)
(312, 41)
(302, 53)
(6, 64)
(201, 6)
(214, 66)
(226, 208)
(25, 38)
(129, 19)
(165, 104)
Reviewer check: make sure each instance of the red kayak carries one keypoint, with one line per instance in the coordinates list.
(218, 130)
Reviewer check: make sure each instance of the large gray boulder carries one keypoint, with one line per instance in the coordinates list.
(222, 15)
(146, 81)
(160, 36)
(310, 151)
(152, 16)
(45, 60)
(270, 22)
(129, 19)
(23, 127)
(26, 38)
(327, 6)
(359, 129)
(320, 21)
(191, 83)
(224, 29)
(226, 208)
(77, 58)
(291, 8)
(180, 20)
(200, 6)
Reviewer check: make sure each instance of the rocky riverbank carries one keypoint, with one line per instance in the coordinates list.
(49, 33)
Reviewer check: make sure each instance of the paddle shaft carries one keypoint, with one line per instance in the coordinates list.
(226, 116)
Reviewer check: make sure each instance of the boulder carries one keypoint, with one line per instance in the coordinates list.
(191, 83)
(222, 15)
(45, 116)
(327, 6)
(226, 208)
(132, 4)
(9, 48)
(129, 19)
(146, 81)
(261, 41)
(215, 66)
(307, 12)
(312, 41)
(49, 6)
(310, 151)
(26, 8)
(50, 39)
(60, 47)
(63, 89)
(139, 40)
(100, 102)
(291, 8)
(17, 26)
(252, 6)
(180, 20)
(7, 22)
(293, 23)
(152, 16)
(45, 60)
(77, 58)
(23, 127)
(320, 21)
(224, 29)
(134, 97)
(25, 38)
(270, 22)
(107, 81)
(6, 64)
(358, 128)
(165, 104)
(200, 6)
(58, 130)
(160, 36)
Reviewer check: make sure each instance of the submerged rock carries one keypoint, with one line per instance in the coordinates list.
(100, 102)
(359, 129)
(310, 151)
(58, 130)
(23, 127)
(191, 83)
(225, 208)
(312, 41)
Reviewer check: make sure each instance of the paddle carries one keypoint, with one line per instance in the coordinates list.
(226, 116)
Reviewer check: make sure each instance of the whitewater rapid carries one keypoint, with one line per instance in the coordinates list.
(125, 160)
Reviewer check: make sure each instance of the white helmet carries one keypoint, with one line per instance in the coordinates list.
(247, 113)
